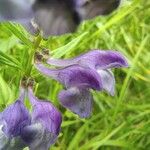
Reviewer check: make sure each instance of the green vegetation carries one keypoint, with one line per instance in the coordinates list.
(118, 123)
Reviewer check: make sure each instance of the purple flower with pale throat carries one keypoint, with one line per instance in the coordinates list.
(78, 81)
(12, 121)
(45, 124)
(80, 74)
(100, 61)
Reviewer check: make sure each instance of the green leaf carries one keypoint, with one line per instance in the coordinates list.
(10, 61)
(18, 32)
(6, 94)
(8, 43)
(68, 48)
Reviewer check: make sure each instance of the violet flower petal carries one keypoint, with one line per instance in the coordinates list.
(73, 76)
(12, 121)
(46, 122)
(7, 143)
(108, 81)
(78, 100)
(94, 59)
(37, 137)
(15, 117)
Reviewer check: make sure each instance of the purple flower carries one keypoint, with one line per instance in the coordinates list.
(80, 74)
(12, 121)
(18, 130)
(78, 81)
(45, 124)
(98, 60)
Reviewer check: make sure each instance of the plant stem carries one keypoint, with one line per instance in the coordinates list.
(31, 55)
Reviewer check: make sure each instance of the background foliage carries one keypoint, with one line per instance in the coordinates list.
(118, 123)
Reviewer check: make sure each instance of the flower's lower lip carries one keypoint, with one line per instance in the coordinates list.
(78, 100)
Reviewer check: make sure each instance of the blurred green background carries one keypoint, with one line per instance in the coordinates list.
(121, 122)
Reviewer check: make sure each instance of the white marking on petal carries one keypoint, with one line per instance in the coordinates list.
(3, 139)
(77, 100)
(108, 80)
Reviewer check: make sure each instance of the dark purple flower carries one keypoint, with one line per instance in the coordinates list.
(78, 81)
(98, 60)
(45, 124)
(12, 121)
